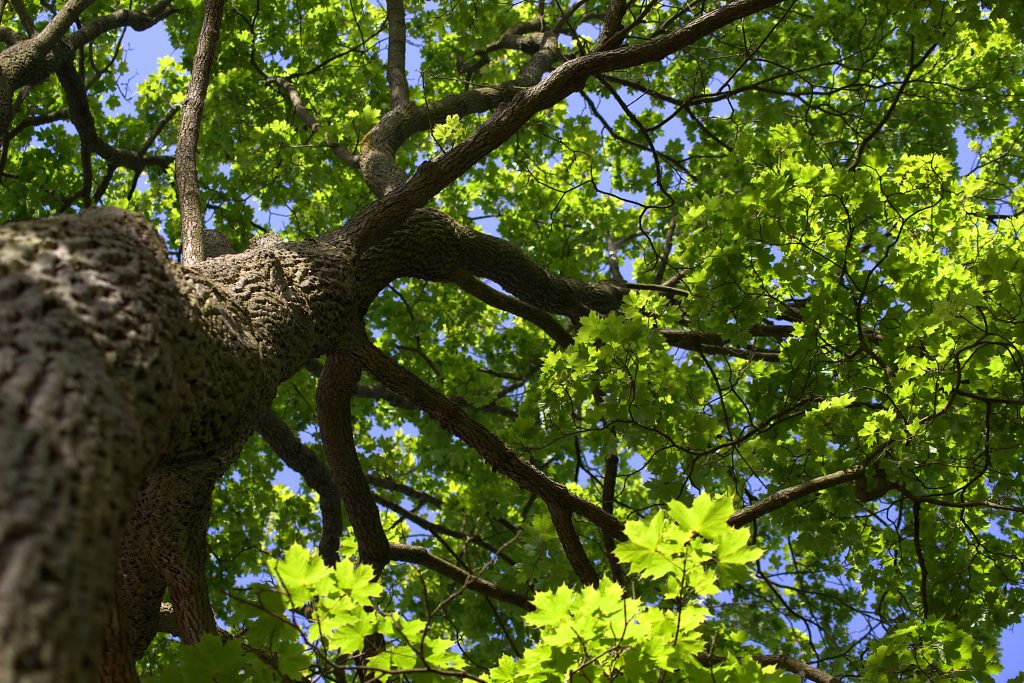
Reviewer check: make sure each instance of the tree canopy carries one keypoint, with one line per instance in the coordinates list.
(716, 374)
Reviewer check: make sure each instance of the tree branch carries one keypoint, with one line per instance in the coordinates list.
(784, 497)
(510, 304)
(440, 529)
(709, 342)
(293, 453)
(862, 147)
(398, 83)
(291, 96)
(80, 113)
(137, 20)
(338, 380)
(420, 556)
(493, 450)
(571, 545)
(185, 175)
(379, 146)
(436, 174)
(785, 662)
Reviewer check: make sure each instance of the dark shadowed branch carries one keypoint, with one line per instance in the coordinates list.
(293, 453)
(338, 379)
(495, 452)
(420, 556)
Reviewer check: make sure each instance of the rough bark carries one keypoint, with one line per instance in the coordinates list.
(127, 385)
(121, 373)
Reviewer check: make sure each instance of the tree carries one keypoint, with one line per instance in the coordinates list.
(618, 305)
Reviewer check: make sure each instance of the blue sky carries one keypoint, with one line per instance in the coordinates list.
(144, 49)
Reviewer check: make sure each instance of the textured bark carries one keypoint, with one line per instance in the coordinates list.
(128, 384)
(121, 373)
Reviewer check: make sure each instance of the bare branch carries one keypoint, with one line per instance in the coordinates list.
(186, 177)
(398, 81)
(338, 379)
(291, 96)
(440, 529)
(293, 453)
(422, 557)
(496, 453)
(510, 304)
(784, 497)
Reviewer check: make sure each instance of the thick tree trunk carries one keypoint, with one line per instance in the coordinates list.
(127, 385)
(119, 368)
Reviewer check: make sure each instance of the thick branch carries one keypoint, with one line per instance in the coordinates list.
(785, 662)
(782, 498)
(571, 545)
(457, 250)
(46, 39)
(398, 83)
(293, 453)
(338, 380)
(31, 60)
(185, 175)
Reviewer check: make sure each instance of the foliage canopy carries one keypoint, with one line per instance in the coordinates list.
(807, 410)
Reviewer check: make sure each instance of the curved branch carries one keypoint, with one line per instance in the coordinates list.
(293, 453)
(137, 20)
(380, 146)
(79, 112)
(436, 174)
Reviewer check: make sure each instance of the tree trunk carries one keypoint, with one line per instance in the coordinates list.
(119, 369)
(127, 386)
